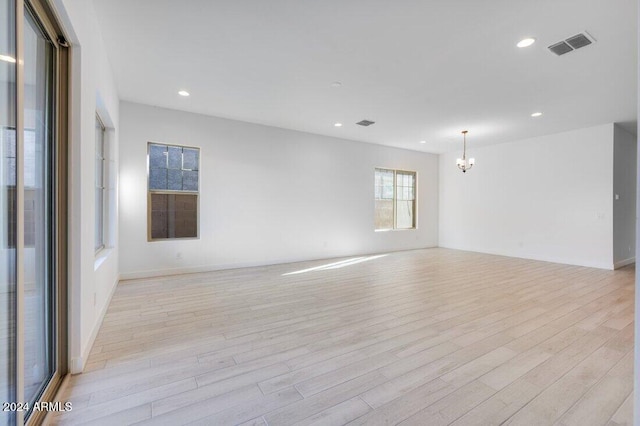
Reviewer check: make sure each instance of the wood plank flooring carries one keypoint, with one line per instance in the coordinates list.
(424, 337)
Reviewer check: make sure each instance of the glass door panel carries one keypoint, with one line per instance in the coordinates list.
(39, 285)
(32, 160)
(8, 218)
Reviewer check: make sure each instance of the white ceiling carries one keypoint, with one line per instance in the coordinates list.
(422, 70)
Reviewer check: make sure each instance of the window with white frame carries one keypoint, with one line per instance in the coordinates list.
(100, 185)
(173, 191)
(395, 199)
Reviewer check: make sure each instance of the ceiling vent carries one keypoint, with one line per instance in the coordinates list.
(572, 43)
(578, 41)
(365, 123)
(560, 48)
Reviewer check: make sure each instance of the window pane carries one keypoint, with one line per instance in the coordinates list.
(30, 154)
(175, 180)
(99, 230)
(99, 194)
(159, 216)
(185, 213)
(405, 185)
(384, 184)
(8, 145)
(8, 169)
(384, 190)
(405, 204)
(387, 191)
(30, 219)
(157, 156)
(175, 157)
(99, 139)
(384, 214)
(190, 158)
(9, 165)
(158, 179)
(404, 215)
(99, 173)
(174, 216)
(190, 180)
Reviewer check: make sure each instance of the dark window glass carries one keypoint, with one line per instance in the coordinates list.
(158, 179)
(175, 157)
(157, 156)
(190, 159)
(175, 180)
(190, 180)
(174, 216)
(173, 186)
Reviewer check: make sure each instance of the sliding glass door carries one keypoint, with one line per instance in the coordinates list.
(39, 216)
(32, 209)
(8, 218)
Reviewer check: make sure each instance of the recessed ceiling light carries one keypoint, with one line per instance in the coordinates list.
(7, 59)
(423, 141)
(536, 114)
(338, 125)
(526, 42)
(336, 84)
(183, 93)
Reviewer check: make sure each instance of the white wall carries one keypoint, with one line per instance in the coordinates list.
(546, 198)
(92, 279)
(268, 195)
(624, 187)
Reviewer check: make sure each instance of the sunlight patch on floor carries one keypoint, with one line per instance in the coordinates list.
(337, 265)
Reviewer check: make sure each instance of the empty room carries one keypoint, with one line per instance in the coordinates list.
(296, 212)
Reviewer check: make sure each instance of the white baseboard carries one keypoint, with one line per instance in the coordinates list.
(529, 256)
(78, 364)
(153, 273)
(622, 263)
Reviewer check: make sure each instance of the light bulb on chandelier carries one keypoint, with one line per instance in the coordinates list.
(462, 163)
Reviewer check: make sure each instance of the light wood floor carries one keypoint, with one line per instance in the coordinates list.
(425, 337)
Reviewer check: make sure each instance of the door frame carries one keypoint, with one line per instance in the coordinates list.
(44, 14)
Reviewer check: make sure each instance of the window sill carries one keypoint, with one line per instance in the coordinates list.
(395, 230)
(155, 240)
(101, 256)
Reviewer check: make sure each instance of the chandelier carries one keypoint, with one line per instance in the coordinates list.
(463, 163)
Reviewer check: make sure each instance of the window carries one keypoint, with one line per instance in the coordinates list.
(395, 199)
(100, 194)
(173, 191)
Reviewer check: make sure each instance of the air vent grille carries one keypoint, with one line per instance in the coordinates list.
(572, 43)
(578, 41)
(365, 123)
(560, 48)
